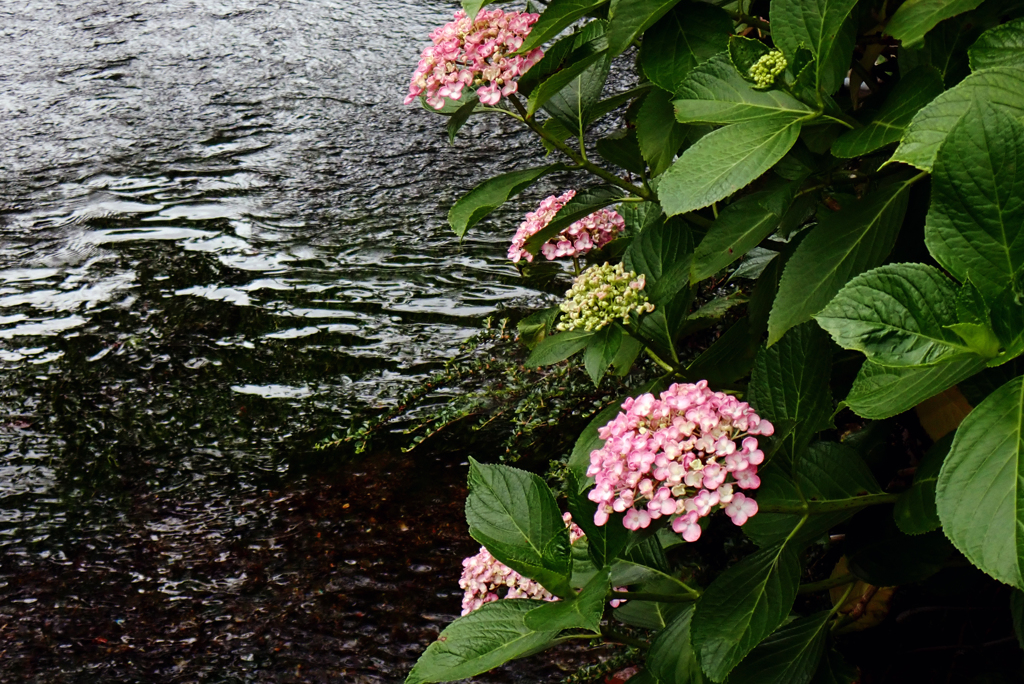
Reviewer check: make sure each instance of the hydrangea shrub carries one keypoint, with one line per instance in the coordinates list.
(766, 186)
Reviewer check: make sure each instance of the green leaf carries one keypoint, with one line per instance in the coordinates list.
(883, 391)
(979, 494)
(622, 149)
(659, 134)
(915, 511)
(716, 93)
(826, 27)
(897, 315)
(726, 160)
(826, 472)
(472, 207)
(579, 93)
(1001, 86)
(835, 670)
(744, 53)
(671, 658)
(578, 62)
(729, 358)
(843, 244)
(975, 223)
(789, 656)
(555, 348)
(742, 606)
(604, 543)
(483, 640)
(789, 386)
(1017, 614)
(583, 612)
(461, 116)
(610, 104)
(473, 7)
(601, 351)
(661, 253)
(583, 204)
(914, 91)
(535, 327)
(560, 14)
(738, 229)
(627, 19)
(514, 514)
(881, 555)
(915, 18)
(650, 614)
(1001, 45)
(691, 33)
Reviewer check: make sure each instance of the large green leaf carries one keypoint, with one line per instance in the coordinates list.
(914, 91)
(671, 658)
(843, 244)
(558, 15)
(716, 93)
(578, 93)
(461, 116)
(883, 391)
(602, 350)
(1002, 45)
(826, 27)
(555, 348)
(1001, 86)
(650, 614)
(622, 149)
(742, 606)
(486, 638)
(659, 134)
(789, 656)
(726, 160)
(915, 511)
(582, 612)
(578, 62)
(514, 514)
(789, 386)
(627, 19)
(880, 554)
(662, 253)
(730, 357)
(915, 18)
(472, 207)
(975, 223)
(827, 472)
(689, 34)
(835, 670)
(979, 495)
(738, 229)
(897, 315)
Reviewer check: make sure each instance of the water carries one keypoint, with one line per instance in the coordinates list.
(221, 235)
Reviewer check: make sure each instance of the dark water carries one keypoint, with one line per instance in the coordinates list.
(221, 234)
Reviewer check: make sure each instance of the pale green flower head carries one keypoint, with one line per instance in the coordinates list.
(601, 295)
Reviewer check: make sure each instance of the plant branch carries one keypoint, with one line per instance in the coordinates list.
(661, 598)
(819, 507)
(615, 635)
(582, 162)
(824, 584)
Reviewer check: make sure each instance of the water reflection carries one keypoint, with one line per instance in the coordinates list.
(220, 234)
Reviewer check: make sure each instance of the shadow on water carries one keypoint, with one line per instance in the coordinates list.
(221, 236)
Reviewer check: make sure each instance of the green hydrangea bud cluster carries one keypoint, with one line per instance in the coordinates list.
(602, 294)
(766, 69)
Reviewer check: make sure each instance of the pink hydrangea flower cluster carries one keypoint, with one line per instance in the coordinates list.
(680, 455)
(477, 53)
(596, 230)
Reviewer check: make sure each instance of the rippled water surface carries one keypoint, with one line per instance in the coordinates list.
(221, 234)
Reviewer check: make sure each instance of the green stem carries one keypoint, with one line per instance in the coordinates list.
(819, 507)
(661, 598)
(839, 604)
(582, 162)
(829, 583)
(657, 359)
(615, 635)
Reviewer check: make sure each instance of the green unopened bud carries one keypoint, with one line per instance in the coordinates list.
(767, 69)
(602, 294)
